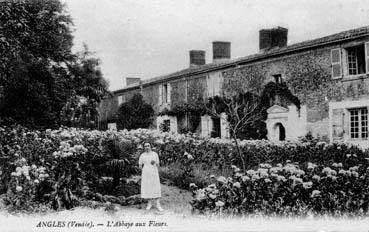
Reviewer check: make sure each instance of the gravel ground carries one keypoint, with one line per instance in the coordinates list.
(176, 217)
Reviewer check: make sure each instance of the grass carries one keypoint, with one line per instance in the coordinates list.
(172, 175)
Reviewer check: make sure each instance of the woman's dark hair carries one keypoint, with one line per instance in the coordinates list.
(143, 144)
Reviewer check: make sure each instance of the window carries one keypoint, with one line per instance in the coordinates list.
(214, 83)
(359, 123)
(215, 133)
(164, 93)
(350, 61)
(165, 126)
(356, 60)
(278, 78)
(120, 100)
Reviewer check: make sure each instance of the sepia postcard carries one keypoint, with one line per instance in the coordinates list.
(169, 115)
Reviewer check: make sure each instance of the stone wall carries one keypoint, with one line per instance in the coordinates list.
(308, 76)
(178, 92)
(306, 73)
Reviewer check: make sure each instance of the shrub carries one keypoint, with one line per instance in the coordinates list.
(291, 189)
(135, 114)
(84, 164)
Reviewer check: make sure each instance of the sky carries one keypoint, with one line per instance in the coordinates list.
(149, 38)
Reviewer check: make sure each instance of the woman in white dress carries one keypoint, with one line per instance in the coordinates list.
(150, 182)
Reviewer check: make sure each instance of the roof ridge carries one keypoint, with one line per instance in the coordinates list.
(274, 51)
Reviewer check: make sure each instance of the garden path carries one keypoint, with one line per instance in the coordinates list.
(174, 201)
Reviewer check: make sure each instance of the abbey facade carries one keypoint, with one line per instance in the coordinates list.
(329, 76)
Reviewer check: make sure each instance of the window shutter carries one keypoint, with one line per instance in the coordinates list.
(367, 56)
(173, 124)
(159, 121)
(160, 94)
(208, 88)
(216, 80)
(224, 129)
(120, 100)
(204, 126)
(336, 63)
(169, 93)
(220, 87)
(338, 131)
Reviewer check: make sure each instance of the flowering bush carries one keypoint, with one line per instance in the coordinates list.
(289, 189)
(58, 168)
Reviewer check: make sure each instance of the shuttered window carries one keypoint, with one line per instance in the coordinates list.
(214, 84)
(336, 63)
(164, 93)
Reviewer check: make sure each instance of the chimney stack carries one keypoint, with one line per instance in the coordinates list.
(271, 38)
(221, 51)
(132, 80)
(197, 57)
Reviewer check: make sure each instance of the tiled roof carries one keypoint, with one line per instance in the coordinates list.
(345, 35)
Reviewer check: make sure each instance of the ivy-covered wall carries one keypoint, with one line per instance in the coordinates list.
(189, 89)
(178, 92)
(196, 88)
(308, 76)
(151, 95)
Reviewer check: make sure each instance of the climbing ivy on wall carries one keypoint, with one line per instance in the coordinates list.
(246, 79)
(273, 89)
(193, 110)
(309, 78)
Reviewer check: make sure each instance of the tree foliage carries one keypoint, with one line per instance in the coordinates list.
(38, 71)
(35, 43)
(135, 113)
(88, 89)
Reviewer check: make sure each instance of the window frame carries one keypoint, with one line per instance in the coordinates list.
(345, 59)
(165, 93)
(278, 78)
(360, 124)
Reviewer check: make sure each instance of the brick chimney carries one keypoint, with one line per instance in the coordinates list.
(132, 80)
(271, 38)
(221, 51)
(197, 57)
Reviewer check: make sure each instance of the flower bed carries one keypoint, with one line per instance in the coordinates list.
(57, 168)
(290, 189)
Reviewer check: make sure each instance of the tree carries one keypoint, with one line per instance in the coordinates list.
(242, 111)
(88, 87)
(42, 83)
(35, 47)
(135, 114)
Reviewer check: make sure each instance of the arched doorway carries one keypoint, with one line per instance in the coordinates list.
(280, 131)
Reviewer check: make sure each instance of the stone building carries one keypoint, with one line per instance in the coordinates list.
(329, 75)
